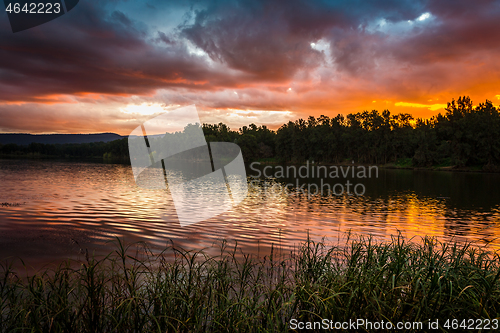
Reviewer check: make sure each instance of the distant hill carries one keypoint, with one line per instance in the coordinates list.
(26, 139)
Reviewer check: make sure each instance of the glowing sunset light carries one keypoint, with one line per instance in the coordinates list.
(298, 59)
(144, 109)
(432, 107)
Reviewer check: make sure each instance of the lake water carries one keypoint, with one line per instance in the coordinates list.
(55, 210)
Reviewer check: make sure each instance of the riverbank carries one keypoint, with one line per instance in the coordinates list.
(130, 291)
(453, 168)
(404, 164)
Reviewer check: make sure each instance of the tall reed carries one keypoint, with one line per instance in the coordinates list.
(138, 291)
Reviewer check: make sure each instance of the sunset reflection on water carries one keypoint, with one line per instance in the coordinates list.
(65, 208)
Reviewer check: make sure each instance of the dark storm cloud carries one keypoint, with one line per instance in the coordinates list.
(91, 51)
(271, 39)
(464, 30)
(164, 38)
(258, 44)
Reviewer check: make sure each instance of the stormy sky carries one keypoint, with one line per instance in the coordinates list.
(107, 66)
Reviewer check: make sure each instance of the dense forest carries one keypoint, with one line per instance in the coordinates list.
(465, 135)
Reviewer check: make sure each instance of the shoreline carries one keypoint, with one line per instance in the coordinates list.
(392, 166)
(448, 168)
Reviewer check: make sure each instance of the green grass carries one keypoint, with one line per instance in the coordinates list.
(137, 291)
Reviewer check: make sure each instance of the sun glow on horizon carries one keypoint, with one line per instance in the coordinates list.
(144, 109)
(432, 107)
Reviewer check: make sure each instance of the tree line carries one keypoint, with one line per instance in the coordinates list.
(117, 149)
(465, 135)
